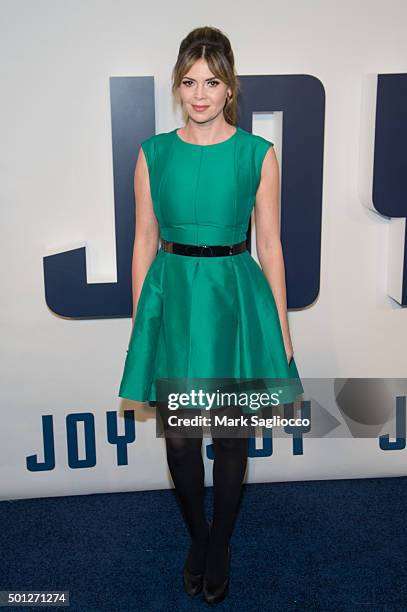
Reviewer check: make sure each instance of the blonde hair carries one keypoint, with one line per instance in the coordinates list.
(214, 46)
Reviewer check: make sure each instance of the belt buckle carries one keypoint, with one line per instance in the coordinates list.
(231, 249)
(205, 253)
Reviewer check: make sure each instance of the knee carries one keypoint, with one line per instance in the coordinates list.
(230, 445)
(180, 448)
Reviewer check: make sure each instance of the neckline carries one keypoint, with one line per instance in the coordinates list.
(215, 144)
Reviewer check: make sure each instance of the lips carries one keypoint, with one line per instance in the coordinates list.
(199, 108)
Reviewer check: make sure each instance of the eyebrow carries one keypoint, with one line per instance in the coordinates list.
(191, 79)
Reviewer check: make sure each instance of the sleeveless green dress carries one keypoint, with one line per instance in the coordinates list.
(205, 317)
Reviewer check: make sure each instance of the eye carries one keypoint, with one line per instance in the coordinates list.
(214, 82)
(186, 83)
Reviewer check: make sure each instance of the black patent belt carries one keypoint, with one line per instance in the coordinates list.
(203, 250)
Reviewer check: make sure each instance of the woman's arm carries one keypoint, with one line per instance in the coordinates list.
(147, 231)
(268, 243)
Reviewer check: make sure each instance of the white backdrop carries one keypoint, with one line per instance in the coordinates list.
(57, 191)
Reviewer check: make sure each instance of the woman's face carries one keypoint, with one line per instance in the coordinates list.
(202, 93)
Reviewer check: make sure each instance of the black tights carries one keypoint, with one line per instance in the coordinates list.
(184, 456)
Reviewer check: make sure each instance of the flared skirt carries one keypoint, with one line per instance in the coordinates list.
(205, 318)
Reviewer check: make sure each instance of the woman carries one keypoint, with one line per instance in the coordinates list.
(203, 308)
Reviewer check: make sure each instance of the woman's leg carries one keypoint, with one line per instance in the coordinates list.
(230, 461)
(184, 457)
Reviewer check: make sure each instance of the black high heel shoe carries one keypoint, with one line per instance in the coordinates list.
(192, 582)
(215, 593)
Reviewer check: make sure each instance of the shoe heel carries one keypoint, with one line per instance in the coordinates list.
(216, 593)
(192, 582)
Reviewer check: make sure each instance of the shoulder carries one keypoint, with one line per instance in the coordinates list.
(156, 143)
(154, 147)
(156, 140)
(257, 147)
(257, 144)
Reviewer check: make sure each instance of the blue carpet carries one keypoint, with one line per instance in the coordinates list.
(336, 545)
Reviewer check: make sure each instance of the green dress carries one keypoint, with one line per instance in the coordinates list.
(205, 317)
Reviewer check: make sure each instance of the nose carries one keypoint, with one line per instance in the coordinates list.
(200, 94)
